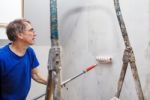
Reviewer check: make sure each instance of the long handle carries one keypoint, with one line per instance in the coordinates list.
(74, 77)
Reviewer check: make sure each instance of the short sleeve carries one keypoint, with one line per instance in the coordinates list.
(33, 58)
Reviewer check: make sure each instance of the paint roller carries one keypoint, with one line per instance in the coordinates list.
(99, 59)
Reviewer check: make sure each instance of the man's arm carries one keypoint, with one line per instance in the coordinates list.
(37, 77)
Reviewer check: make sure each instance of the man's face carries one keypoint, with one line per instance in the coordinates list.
(28, 36)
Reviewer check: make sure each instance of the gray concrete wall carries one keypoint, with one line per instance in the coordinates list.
(89, 28)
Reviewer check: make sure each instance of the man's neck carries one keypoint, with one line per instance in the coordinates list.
(18, 48)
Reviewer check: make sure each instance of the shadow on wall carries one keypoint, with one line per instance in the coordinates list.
(75, 14)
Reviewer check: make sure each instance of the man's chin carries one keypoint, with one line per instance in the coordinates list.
(32, 43)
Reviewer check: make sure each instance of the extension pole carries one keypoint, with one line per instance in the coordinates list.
(83, 72)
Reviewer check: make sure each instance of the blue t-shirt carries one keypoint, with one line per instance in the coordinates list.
(15, 73)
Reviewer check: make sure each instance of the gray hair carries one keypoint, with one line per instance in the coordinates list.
(15, 27)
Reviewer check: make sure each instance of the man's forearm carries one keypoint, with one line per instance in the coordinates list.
(39, 79)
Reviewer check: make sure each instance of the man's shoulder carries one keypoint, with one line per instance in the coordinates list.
(30, 50)
(4, 47)
(3, 51)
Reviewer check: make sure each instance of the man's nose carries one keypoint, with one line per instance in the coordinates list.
(34, 34)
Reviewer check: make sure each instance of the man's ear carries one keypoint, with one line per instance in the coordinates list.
(20, 36)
